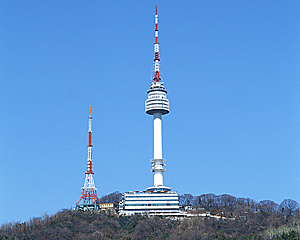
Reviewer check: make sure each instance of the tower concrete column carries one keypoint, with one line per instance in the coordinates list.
(157, 136)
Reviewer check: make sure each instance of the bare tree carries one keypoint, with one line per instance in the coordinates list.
(185, 199)
(289, 207)
(268, 206)
(114, 198)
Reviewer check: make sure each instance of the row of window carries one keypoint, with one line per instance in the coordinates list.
(157, 196)
(157, 93)
(153, 204)
(160, 106)
(154, 210)
(163, 101)
(157, 100)
(157, 104)
(150, 96)
(150, 200)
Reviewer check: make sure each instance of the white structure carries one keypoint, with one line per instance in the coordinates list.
(157, 105)
(156, 200)
(163, 203)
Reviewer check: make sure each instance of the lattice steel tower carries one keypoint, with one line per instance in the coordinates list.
(89, 198)
(157, 105)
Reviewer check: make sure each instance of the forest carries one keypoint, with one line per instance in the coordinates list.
(240, 218)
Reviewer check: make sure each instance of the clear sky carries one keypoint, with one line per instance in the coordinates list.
(231, 69)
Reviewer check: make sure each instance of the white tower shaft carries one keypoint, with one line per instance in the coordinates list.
(157, 136)
(158, 179)
(158, 175)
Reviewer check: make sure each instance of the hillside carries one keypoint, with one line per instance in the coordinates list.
(263, 220)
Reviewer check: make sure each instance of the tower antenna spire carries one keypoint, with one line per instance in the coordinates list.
(156, 61)
(89, 191)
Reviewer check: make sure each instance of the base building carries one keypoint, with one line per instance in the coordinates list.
(157, 202)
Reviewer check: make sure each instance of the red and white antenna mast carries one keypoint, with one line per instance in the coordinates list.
(89, 191)
(156, 61)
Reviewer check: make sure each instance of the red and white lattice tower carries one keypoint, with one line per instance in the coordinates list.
(89, 198)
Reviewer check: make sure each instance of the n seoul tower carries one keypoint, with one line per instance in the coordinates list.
(157, 105)
(156, 200)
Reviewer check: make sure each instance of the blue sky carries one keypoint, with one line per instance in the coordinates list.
(231, 69)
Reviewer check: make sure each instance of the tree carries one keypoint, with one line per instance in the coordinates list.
(185, 199)
(289, 207)
(268, 206)
(228, 201)
(114, 198)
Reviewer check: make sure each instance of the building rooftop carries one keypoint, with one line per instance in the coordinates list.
(152, 192)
